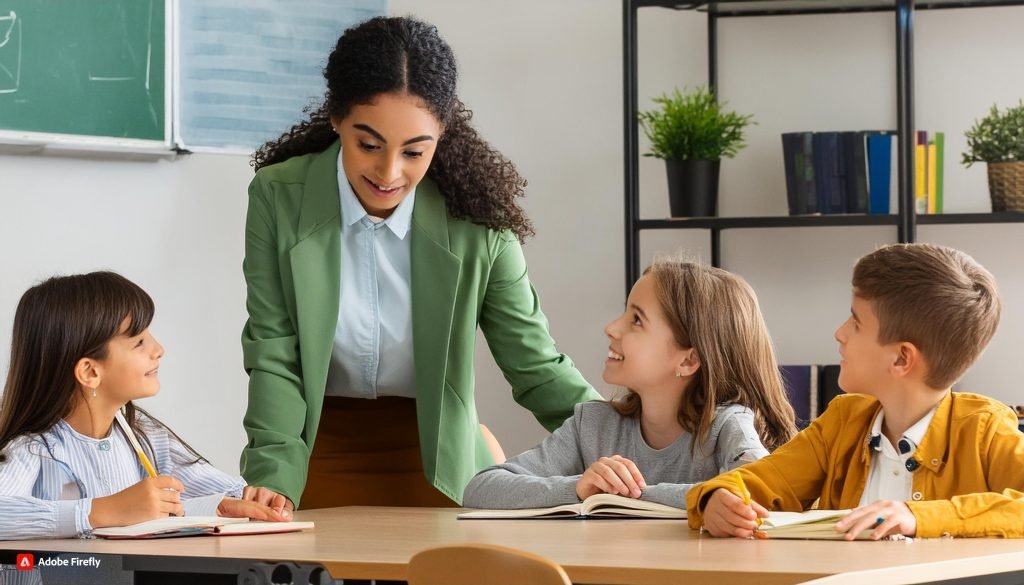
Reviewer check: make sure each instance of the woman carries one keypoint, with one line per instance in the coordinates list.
(380, 233)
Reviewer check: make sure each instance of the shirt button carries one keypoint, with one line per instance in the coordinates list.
(935, 461)
(104, 446)
(917, 496)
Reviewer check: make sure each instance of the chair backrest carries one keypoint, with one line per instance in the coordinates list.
(473, 564)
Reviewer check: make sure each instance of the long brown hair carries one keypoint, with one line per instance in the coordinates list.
(716, 313)
(57, 323)
(405, 55)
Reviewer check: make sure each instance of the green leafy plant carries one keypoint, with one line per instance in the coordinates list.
(998, 137)
(693, 127)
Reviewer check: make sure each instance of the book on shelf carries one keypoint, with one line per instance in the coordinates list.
(812, 524)
(829, 173)
(853, 149)
(596, 506)
(809, 389)
(828, 386)
(801, 384)
(921, 172)
(175, 526)
(880, 149)
(798, 155)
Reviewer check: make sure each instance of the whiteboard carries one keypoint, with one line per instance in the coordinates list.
(245, 70)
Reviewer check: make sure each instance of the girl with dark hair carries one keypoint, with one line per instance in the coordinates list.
(81, 351)
(380, 233)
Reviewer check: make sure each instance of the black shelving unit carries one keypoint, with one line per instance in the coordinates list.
(905, 220)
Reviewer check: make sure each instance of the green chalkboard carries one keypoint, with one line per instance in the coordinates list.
(83, 67)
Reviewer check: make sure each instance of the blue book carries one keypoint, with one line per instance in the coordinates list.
(829, 173)
(879, 171)
(802, 390)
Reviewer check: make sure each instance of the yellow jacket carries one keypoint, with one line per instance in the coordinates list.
(969, 481)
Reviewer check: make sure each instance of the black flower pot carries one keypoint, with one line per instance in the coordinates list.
(693, 187)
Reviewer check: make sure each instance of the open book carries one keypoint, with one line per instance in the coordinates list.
(812, 524)
(596, 506)
(198, 525)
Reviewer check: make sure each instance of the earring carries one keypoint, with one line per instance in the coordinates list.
(678, 375)
(94, 393)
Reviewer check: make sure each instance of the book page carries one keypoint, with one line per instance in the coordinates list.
(563, 511)
(170, 524)
(612, 504)
(258, 527)
(780, 519)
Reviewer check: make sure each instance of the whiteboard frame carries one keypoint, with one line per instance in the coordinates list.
(24, 142)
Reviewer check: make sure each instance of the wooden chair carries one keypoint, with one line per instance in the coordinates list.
(474, 564)
(497, 453)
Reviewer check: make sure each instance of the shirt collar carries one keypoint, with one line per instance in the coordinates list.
(911, 437)
(352, 210)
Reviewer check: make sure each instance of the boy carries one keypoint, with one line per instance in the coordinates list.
(910, 456)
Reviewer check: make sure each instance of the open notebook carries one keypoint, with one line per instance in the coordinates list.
(199, 525)
(596, 506)
(812, 524)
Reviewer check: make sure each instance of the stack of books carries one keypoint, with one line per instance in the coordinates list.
(810, 389)
(855, 172)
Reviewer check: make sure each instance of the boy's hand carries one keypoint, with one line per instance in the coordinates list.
(885, 516)
(726, 515)
(151, 498)
(611, 475)
(268, 497)
(235, 508)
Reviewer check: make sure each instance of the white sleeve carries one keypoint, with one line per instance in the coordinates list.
(24, 516)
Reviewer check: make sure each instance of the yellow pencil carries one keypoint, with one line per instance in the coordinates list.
(746, 493)
(135, 443)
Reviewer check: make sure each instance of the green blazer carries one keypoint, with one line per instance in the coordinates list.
(463, 274)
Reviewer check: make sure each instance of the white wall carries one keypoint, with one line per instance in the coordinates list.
(545, 81)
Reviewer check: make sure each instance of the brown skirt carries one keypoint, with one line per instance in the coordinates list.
(367, 453)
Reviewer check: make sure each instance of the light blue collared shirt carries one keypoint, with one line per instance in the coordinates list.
(48, 481)
(372, 354)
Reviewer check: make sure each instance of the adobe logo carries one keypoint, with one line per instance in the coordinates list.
(25, 562)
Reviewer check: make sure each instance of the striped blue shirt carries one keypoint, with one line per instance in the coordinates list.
(49, 480)
(372, 354)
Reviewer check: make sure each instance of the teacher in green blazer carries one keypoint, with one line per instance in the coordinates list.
(381, 232)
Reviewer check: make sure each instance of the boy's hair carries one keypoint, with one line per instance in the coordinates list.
(58, 322)
(937, 298)
(716, 313)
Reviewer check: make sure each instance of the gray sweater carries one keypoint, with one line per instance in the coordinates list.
(547, 474)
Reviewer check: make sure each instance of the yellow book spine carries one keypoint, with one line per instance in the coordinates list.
(920, 187)
(933, 193)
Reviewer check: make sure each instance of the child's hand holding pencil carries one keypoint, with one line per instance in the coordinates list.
(727, 514)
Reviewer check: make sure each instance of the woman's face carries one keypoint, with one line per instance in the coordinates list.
(387, 147)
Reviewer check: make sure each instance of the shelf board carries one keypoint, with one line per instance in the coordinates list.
(765, 222)
(726, 8)
(966, 218)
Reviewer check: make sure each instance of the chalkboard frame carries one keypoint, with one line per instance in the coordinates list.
(25, 142)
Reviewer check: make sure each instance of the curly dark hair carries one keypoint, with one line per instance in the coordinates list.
(404, 55)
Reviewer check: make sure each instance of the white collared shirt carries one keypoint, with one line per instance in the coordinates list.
(372, 354)
(889, 477)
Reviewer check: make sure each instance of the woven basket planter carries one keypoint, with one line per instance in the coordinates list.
(1006, 185)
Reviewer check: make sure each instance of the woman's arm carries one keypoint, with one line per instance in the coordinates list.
(543, 379)
(276, 455)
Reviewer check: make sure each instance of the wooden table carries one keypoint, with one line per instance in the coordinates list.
(360, 542)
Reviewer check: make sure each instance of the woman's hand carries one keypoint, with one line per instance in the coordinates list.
(151, 498)
(885, 516)
(235, 508)
(726, 515)
(268, 497)
(611, 475)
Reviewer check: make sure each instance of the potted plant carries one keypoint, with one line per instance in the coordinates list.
(692, 133)
(998, 140)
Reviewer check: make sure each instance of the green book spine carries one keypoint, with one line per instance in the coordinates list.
(939, 149)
